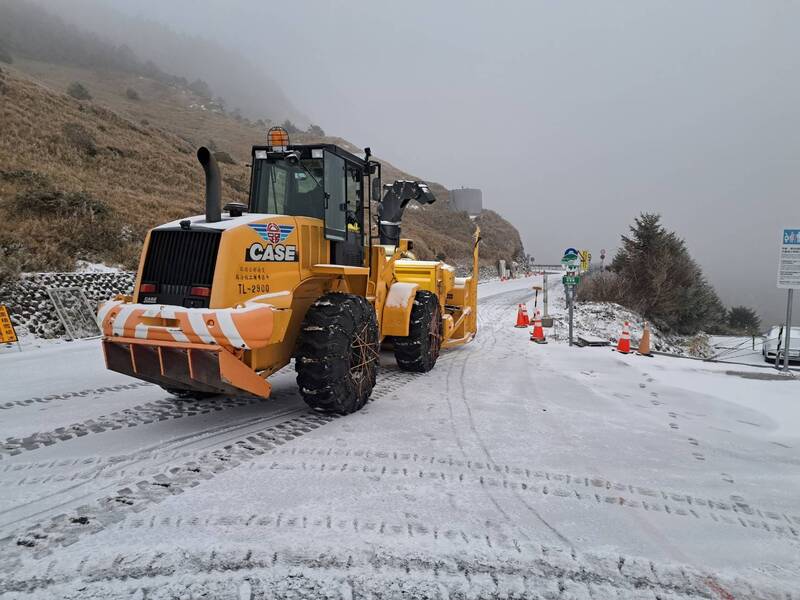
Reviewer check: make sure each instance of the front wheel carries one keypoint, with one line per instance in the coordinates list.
(419, 350)
(337, 353)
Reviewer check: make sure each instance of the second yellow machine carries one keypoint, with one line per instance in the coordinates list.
(222, 301)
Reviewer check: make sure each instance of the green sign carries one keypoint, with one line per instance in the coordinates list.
(569, 258)
(571, 279)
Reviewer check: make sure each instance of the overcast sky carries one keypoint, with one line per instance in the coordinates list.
(572, 117)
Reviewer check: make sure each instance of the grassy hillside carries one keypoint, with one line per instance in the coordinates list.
(85, 179)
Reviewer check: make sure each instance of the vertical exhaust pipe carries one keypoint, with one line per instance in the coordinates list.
(213, 185)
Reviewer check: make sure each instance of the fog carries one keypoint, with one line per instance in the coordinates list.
(572, 117)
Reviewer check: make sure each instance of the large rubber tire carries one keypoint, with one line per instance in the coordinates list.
(419, 350)
(337, 353)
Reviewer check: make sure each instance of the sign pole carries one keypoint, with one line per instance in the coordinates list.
(788, 329)
(788, 279)
(571, 290)
(544, 294)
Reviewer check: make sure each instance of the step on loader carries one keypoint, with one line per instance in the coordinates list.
(304, 270)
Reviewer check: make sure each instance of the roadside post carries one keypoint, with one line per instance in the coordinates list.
(570, 280)
(544, 295)
(603, 259)
(7, 333)
(789, 279)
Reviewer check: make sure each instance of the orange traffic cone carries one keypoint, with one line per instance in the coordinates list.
(644, 343)
(537, 335)
(522, 316)
(624, 344)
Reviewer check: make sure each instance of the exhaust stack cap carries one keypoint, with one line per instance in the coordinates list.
(213, 185)
(235, 209)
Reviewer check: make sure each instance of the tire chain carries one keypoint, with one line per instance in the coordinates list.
(528, 571)
(82, 394)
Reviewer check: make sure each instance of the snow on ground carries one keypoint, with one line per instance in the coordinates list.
(601, 319)
(84, 266)
(511, 470)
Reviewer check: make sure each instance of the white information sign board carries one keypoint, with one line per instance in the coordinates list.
(789, 260)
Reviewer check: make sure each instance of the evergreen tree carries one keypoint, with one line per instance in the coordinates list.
(290, 127)
(660, 280)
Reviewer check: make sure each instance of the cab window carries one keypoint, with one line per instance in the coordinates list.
(281, 188)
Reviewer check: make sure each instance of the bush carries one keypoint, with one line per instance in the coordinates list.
(224, 157)
(290, 127)
(744, 320)
(132, 94)
(52, 203)
(25, 177)
(10, 252)
(602, 286)
(78, 91)
(699, 346)
(315, 130)
(80, 138)
(201, 88)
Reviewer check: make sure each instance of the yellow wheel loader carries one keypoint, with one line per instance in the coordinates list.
(222, 301)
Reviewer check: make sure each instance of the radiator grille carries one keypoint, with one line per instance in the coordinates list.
(181, 258)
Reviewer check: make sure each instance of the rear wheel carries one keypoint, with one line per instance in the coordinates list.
(337, 353)
(419, 350)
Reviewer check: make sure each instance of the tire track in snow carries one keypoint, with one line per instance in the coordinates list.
(591, 491)
(529, 571)
(159, 464)
(81, 394)
(496, 304)
(64, 530)
(452, 366)
(143, 414)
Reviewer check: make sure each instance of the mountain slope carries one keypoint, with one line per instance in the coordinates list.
(62, 34)
(79, 180)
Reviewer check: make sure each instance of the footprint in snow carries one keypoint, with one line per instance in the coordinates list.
(245, 590)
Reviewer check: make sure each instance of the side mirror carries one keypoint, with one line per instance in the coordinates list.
(377, 189)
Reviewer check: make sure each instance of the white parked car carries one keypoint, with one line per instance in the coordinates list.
(777, 336)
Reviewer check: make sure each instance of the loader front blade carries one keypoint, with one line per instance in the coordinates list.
(178, 365)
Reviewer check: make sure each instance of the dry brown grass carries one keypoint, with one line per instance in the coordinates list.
(137, 158)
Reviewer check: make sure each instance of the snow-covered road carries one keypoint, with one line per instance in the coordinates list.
(511, 470)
